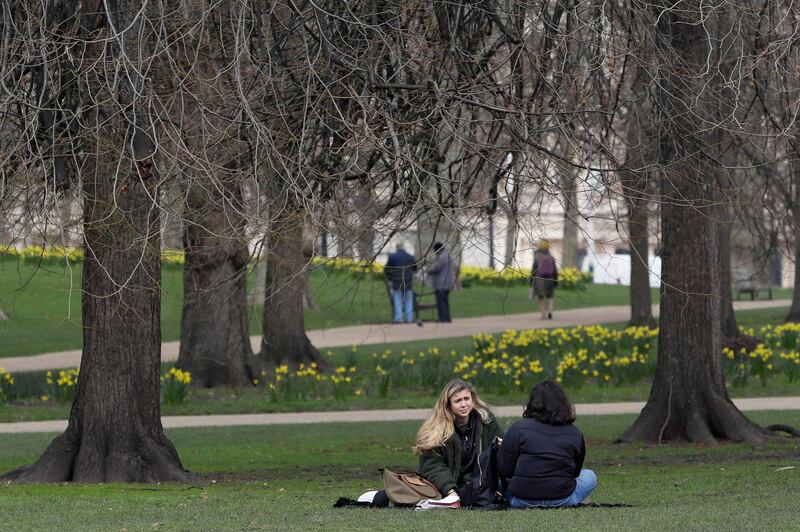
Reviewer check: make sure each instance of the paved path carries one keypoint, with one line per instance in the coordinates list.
(388, 333)
(756, 403)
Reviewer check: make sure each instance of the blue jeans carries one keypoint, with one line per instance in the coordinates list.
(403, 305)
(584, 485)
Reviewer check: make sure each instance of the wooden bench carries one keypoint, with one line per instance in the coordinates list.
(419, 306)
(753, 287)
(419, 301)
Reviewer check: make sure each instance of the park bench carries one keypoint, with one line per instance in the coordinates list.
(421, 301)
(751, 285)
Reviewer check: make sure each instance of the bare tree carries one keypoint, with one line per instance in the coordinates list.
(689, 400)
(211, 163)
(97, 131)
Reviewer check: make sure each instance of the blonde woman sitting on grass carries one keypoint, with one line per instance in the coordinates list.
(450, 441)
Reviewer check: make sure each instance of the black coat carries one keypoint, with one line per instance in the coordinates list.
(540, 461)
(399, 270)
(442, 466)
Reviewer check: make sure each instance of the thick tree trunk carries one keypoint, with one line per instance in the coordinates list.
(794, 311)
(215, 340)
(688, 399)
(639, 242)
(285, 338)
(114, 432)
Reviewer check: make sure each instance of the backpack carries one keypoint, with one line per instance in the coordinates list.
(547, 267)
(483, 490)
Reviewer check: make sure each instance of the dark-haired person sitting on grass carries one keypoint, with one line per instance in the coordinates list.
(541, 459)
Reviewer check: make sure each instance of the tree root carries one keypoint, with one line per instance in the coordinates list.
(784, 428)
(74, 457)
(715, 418)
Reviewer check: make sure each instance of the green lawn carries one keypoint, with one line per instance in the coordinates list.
(287, 478)
(45, 304)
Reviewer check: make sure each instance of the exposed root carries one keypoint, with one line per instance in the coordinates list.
(713, 419)
(698, 429)
(72, 458)
(784, 428)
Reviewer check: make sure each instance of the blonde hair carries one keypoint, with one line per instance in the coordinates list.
(439, 427)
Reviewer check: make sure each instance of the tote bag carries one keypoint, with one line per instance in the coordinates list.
(406, 487)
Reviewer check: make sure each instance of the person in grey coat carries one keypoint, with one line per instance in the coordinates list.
(544, 279)
(443, 277)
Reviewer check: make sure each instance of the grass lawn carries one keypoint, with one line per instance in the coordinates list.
(45, 304)
(287, 478)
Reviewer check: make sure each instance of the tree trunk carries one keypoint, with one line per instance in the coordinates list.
(730, 329)
(569, 249)
(639, 241)
(688, 399)
(114, 432)
(285, 338)
(512, 230)
(215, 340)
(794, 311)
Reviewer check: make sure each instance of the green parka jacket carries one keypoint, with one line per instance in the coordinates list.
(442, 466)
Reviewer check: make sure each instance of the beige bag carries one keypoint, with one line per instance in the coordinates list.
(406, 487)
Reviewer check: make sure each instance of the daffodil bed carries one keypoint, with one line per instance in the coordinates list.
(506, 364)
(511, 363)
(569, 278)
(287, 478)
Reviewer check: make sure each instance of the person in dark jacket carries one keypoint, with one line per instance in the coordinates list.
(452, 438)
(443, 278)
(541, 459)
(544, 279)
(399, 271)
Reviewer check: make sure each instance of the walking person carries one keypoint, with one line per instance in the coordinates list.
(443, 277)
(544, 279)
(399, 272)
(541, 459)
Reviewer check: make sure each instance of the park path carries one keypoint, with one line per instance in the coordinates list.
(358, 416)
(389, 333)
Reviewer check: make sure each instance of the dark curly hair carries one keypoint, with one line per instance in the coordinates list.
(548, 403)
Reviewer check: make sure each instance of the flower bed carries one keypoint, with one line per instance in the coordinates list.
(509, 363)
(514, 361)
(60, 255)
(569, 278)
